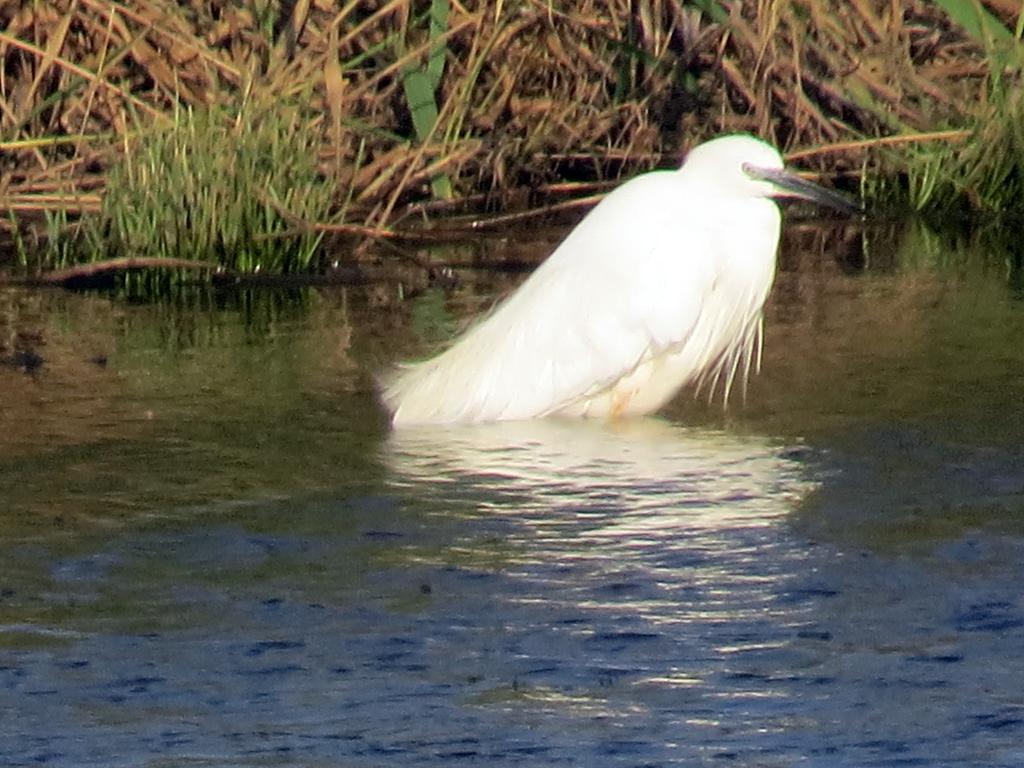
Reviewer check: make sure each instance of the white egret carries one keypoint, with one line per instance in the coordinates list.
(661, 285)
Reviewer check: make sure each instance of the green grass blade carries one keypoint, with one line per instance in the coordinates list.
(438, 44)
(986, 29)
(419, 95)
(713, 9)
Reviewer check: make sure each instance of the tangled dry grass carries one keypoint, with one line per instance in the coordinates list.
(502, 102)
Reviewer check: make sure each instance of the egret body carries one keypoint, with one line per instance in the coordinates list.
(660, 286)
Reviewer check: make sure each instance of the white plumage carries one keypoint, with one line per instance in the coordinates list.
(661, 285)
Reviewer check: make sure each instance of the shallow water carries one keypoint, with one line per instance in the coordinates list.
(213, 552)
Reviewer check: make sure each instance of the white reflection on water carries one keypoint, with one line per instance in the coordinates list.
(647, 470)
(647, 504)
(641, 547)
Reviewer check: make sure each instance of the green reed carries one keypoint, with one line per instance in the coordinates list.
(237, 189)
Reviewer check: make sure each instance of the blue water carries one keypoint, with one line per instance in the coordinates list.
(213, 552)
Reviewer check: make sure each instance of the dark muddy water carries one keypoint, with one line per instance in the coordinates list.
(213, 552)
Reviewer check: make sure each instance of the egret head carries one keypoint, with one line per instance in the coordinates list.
(745, 166)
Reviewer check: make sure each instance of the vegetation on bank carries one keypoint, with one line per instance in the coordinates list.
(243, 133)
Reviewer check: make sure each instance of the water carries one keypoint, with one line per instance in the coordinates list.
(213, 552)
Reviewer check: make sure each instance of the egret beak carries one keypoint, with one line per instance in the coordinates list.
(791, 185)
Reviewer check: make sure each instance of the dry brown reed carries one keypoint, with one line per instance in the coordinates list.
(533, 91)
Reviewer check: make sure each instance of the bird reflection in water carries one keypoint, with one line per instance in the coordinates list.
(634, 477)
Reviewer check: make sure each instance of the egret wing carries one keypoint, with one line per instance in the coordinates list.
(623, 286)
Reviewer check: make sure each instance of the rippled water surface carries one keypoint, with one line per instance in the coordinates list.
(213, 552)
